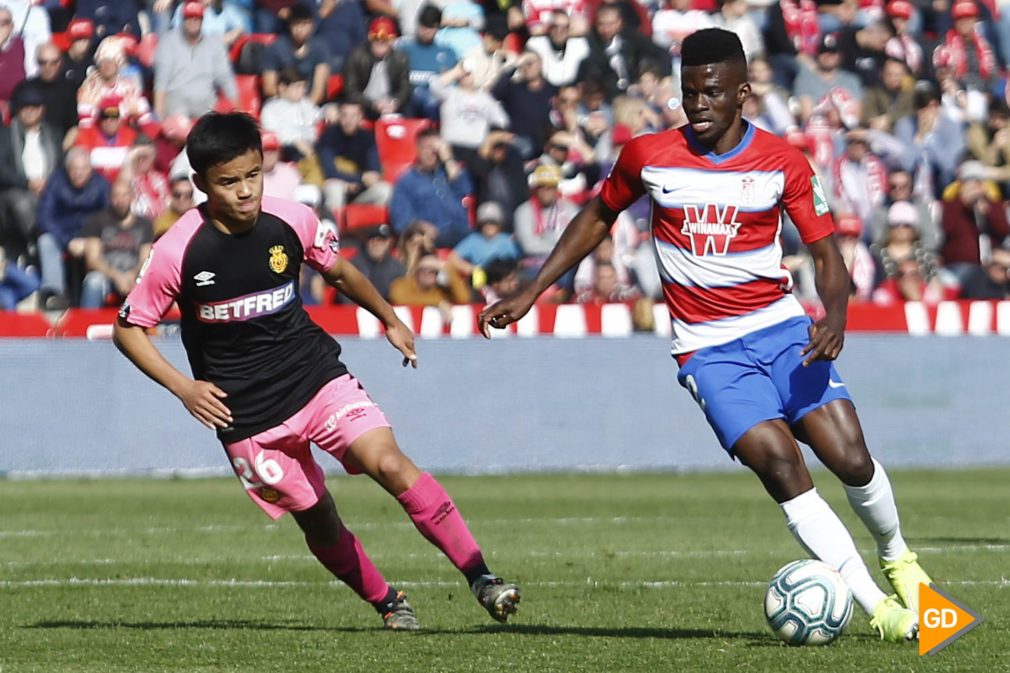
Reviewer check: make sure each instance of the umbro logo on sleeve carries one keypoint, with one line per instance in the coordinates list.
(204, 278)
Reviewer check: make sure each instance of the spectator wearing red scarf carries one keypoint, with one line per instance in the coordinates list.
(965, 51)
(793, 36)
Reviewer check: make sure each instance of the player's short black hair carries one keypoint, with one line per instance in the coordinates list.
(712, 45)
(218, 137)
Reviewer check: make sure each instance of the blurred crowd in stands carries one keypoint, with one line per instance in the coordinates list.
(452, 141)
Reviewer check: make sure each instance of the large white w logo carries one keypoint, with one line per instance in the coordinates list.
(710, 228)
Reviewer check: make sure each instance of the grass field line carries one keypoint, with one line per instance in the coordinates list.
(403, 525)
(575, 555)
(354, 525)
(1002, 582)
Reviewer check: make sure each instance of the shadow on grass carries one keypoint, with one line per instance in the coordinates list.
(767, 640)
(519, 629)
(925, 540)
(762, 639)
(755, 638)
(618, 632)
(222, 624)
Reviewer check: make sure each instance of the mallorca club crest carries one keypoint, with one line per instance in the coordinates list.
(278, 259)
(710, 228)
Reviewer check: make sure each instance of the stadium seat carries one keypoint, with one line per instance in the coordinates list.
(470, 203)
(61, 40)
(145, 49)
(249, 98)
(395, 138)
(264, 39)
(514, 43)
(334, 85)
(359, 215)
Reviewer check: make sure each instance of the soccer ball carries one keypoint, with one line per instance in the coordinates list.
(808, 603)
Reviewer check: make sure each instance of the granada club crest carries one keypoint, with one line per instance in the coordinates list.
(278, 259)
(747, 188)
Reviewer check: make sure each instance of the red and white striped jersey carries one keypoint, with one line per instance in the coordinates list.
(716, 225)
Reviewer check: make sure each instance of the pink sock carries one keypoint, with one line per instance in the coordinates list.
(436, 517)
(348, 561)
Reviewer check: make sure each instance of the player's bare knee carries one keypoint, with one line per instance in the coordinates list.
(782, 470)
(854, 467)
(390, 467)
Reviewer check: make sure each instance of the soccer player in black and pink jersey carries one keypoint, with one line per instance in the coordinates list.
(758, 367)
(269, 380)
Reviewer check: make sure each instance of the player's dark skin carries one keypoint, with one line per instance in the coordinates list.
(713, 97)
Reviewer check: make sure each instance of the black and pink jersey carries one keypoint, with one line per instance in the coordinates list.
(716, 224)
(243, 324)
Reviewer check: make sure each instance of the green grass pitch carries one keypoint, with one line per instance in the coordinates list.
(620, 572)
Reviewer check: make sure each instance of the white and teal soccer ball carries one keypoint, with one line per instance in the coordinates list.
(808, 603)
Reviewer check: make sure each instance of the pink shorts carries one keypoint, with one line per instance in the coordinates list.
(276, 466)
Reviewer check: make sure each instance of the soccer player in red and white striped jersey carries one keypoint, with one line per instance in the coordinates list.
(758, 367)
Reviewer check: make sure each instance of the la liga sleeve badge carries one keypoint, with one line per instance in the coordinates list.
(820, 199)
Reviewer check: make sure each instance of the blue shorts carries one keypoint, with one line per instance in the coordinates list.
(759, 377)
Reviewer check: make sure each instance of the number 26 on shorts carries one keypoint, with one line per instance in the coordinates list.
(263, 471)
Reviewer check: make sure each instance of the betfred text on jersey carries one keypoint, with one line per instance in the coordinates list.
(247, 307)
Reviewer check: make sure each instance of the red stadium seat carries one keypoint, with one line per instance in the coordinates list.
(514, 43)
(334, 85)
(249, 98)
(396, 138)
(262, 38)
(61, 40)
(470, 203)
(360, 215)
(146, 47)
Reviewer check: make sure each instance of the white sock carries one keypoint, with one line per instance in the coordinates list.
(819, 530)
(874, 503)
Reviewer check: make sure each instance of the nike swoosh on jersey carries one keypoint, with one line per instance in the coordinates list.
(835, 384)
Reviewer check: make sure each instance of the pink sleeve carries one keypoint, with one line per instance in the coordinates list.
(160, 279)
(319, 239)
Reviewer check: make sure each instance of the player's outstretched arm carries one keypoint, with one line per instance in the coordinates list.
(827, 335)
(345, 277)
(581, 236)
(201, 398)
